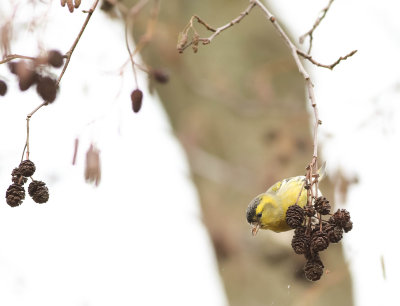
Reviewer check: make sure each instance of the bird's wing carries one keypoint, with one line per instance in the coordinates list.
(280, 186)
(290, 191)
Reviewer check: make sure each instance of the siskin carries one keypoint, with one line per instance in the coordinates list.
(268, 210)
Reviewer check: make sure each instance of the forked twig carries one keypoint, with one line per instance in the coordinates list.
(331, 66)
(310, 32)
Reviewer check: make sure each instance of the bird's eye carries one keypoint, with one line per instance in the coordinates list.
(259, 215)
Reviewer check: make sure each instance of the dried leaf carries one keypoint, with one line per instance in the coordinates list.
(5, 38)
(70, 6)
(92, 167)
(182, 40)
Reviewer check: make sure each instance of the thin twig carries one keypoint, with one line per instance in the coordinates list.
(130, 17)
(28, 118)
(199, 20)
(301, 190)
(182, 45)
(134, 10)
(331, 66)
(71, 50)
(14, 56)
(310, 32)
(68, 59)
(76, 145)
(23, 152)
(230, 24)
(130, 53)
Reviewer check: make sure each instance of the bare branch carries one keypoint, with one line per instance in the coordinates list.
(230, 24)
(331, 66)
(310, 32)
(71, 50)
(10, 57)
(199, 20)
(183, 43)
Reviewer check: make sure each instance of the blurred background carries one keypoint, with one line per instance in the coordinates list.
(238, 108)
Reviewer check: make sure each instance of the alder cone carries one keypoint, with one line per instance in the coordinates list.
(160, 76)
(15, 194)
(106, 6)
(313, 270)
(334, 232)
(38, 191)
(136, 98)
(322, 206)
(294, 216)
(319, 241)
(27, 168)
(47, 89)
(17, 177)
(3, 88)
(300, 242)
(55, 58)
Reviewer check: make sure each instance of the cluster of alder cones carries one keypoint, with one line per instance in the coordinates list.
(35, 72)
(313, 234)
(15, 193)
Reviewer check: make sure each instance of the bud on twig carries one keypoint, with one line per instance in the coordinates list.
(136, 98)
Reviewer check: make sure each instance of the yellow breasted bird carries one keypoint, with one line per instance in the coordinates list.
(268, 210)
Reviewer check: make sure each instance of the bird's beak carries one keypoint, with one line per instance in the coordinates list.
(256, 227)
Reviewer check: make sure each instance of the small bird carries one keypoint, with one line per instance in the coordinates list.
(268, 210)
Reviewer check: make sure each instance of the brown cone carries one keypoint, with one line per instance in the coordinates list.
(55, 58)
(322, 206)
(17, 177)
(160, 76)
(300, 242)
(313, 270)
(27, 168)
(340, 218)
(15, 194)
(136, 97)
(38, 191)
(47, 89)
(319, 241)
(334, 232)
(294, 216)
(3, 88)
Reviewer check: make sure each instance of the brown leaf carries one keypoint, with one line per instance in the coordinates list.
(92, 167)
(70, 6)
